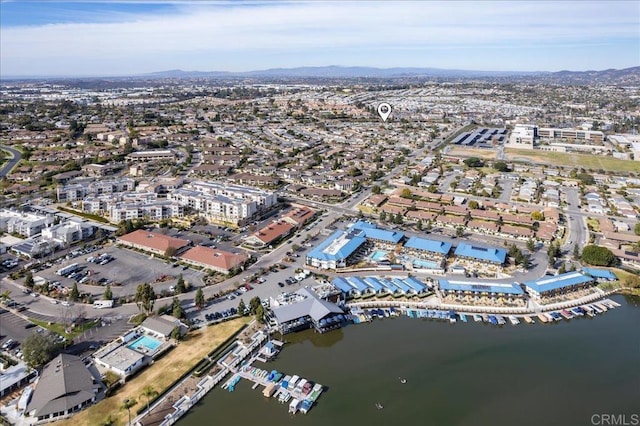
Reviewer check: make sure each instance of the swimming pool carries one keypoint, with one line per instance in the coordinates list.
(419, 263)
(145, 342)
(378, 255)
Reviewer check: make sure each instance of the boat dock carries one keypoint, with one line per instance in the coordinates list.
(548, 315)
(302, 393)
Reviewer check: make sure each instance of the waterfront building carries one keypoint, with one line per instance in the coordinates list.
(357, 286)
(64, 387)
(558, 284)
(600, 274)
(339, 250)
(305, 309)
(478, 289)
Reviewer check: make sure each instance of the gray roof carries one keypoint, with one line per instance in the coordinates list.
(64, 383)
(311, 305)
(159, 325)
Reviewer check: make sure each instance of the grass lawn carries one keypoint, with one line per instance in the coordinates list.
(59, 328)
(571, 160)
(594, 224)
(485, 154)
(160, 375)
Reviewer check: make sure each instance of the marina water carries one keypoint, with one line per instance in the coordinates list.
(456, 374)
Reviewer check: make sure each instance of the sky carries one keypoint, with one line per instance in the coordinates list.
(114, 38)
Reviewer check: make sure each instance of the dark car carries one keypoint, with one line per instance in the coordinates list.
(281, 284)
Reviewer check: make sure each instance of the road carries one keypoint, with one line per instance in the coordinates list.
(577, 225)
(17, 156)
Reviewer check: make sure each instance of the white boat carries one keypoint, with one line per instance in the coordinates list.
(477, 318)
(293, 407)
(514, 320)
(379, 406)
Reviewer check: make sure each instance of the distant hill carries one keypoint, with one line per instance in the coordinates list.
(334, 71)
(630, 76)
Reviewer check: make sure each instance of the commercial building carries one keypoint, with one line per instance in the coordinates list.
(339, 250)
(153, 242)
(65, 386)
(152, 155)
(273, 232)
(558, 284)
(214, 259)
(305, 309)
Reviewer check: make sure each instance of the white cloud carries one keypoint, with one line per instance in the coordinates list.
(231, 29)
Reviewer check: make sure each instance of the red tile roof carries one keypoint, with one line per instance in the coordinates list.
(219, 259)
(153, 240)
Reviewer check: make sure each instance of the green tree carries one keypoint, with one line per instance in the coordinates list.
(473, 204)
(127, 404)
(406, 193)
(145, 297)
(599, 256)
(636, 229)
(74, 294)
(419, 225)
(108, 294)
(176, 334)
(149, 392)
(241, 307)
(199, 299)
(473, 162)
(253, 304)
(180, 286)
(375, 189)
(459, 231)
(562, 269)
(170, 252)
(176, 309)
(501, 166)
(260, 314)
(38, 349)
(383, 216)
(28, 280)
(531, 245)
(576, 252)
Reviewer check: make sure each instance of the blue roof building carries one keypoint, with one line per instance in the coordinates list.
(475, 287)
(483, 254)
(548, 286)
(433, 246)
(372, 232)
(600, 274)
(356, 286)
(336, 251)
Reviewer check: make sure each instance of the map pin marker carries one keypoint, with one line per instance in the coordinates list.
(384, 111)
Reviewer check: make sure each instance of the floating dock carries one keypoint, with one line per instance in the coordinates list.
(302, 392)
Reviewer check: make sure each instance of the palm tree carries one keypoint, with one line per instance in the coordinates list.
(126, 405)
(149, 392)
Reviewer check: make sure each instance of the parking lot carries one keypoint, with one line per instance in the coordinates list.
(124, 272)
(14, 327)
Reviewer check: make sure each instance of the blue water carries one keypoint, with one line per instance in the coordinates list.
(378, 255)
(146, 341)
(424, 264)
